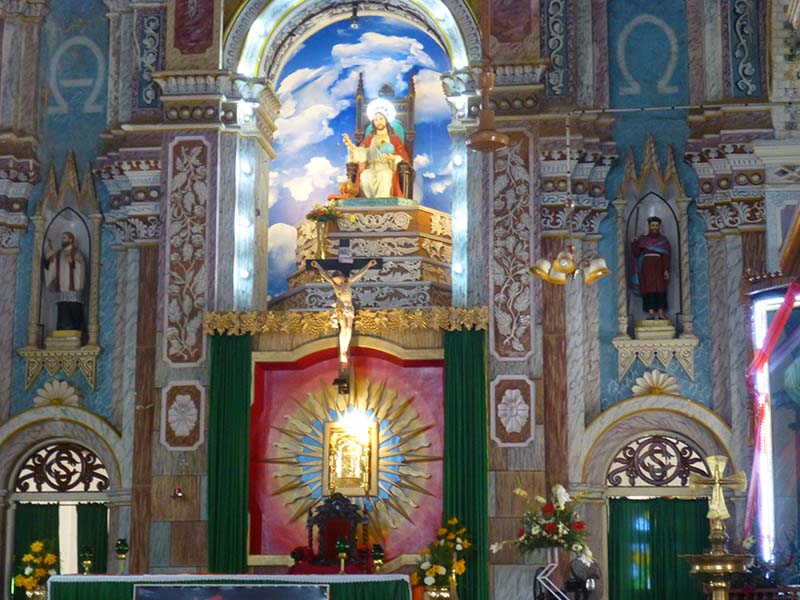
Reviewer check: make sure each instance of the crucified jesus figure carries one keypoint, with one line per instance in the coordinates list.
(345, 311)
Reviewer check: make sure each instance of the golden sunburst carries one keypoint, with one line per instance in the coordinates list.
(403, 455)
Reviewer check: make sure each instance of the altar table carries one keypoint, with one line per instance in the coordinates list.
(113, 587)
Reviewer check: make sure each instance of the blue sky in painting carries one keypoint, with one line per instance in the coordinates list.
(317, 91)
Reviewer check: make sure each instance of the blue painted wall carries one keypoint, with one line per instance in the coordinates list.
(72, 107)
(648, 67)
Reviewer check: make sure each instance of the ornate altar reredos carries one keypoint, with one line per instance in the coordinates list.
(65, 266)
(414, 242)
(654, 193)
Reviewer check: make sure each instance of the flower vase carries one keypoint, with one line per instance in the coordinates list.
(322, 239)
(37, 593)
(436, 592)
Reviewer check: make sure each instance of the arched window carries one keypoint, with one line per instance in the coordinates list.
(655, 461)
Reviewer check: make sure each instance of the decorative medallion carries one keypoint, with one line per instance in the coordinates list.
(655, 461)
(183, 415)
(512, 410)
(62, 467)
(655, 382)
(57, 392)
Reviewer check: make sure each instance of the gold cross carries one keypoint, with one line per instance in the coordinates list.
(717, 509)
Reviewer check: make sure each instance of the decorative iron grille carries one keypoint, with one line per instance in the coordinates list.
(656, 460)
(62, 467)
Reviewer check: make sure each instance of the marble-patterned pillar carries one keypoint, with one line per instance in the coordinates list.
(717, 286)
(120, 61)
(8, 296)
(554, 376)
(119, 524)
(146, 398)
(736, 343)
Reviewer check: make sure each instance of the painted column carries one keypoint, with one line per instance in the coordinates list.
(554, 376)
(120, 61)
(718, 310)
(687, 318)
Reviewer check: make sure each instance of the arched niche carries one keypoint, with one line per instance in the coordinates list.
(264, 34)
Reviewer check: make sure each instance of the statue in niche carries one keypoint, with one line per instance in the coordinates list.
(651, 267)
(65, 276)
(378, 155)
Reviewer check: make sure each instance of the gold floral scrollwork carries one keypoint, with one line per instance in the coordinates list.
(371, 322)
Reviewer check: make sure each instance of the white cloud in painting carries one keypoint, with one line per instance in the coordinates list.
(429, 175)
(282, 244)
(443, 179)
(431, 102)
(318, 175)
(273, 188)
(421, 161)
(311, 98)
(438, 187)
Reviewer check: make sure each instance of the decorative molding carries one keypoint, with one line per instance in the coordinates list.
(367, 322)
(512, 411)
(134, 187)
(681, 349)
(58, 361)
(31, 9)
(744, 53)
(183, 409)
(442, 224)
(555, 34)
(511, 291)
(185, 269)
(374, 222)
(731, 188)
(151, 39)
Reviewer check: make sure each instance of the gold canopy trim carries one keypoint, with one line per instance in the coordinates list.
(368, 322)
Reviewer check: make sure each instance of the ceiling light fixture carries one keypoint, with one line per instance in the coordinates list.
(566, 264)
(486, 138)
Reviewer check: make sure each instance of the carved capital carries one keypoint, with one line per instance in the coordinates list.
(647, 351)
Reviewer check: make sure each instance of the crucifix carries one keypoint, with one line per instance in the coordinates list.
(342, 276)
(717, 509)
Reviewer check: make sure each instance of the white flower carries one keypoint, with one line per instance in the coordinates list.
(459, 547)
(182, 415)
(540, 500)
(562, 496)
(576, 547)
(28, 570)
(425, 566)
(562, 529)
(513, 411)
(57, 392)
(51, 572)
(536, 530)
(429, 580)
(496, 547)
(442, 570)
(586, 557)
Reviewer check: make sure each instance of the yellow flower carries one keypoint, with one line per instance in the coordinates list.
(466, 544)
(451, 536)
(37, 546)
(414, 578)
(19, 579)
(432, 571)
(39, 572)
(425, 551)
(37, 560)
(50, 559)
(27, 558)
(520, 492)
(459, 567)
(441, 531)
(453, 521)
(462, 531)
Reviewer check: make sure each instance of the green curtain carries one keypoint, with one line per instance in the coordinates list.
(228, 452)
(645, 540)
(33, 522)
(93, 532)
(466, 486)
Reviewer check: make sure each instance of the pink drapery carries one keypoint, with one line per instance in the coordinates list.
(760, 409)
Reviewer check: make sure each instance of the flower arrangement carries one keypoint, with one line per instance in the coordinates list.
(321, 214)
(551, 524)
(37, 567)
(440, 563)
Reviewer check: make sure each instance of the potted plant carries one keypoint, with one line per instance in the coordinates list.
(441, 563)
(36, 567)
